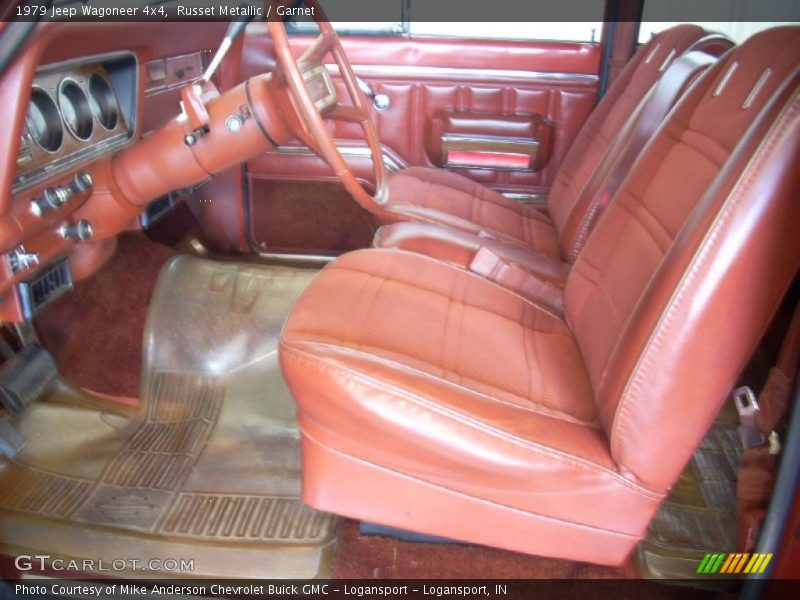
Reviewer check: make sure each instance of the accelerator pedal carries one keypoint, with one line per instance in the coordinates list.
(24, 378)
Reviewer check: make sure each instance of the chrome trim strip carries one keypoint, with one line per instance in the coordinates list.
(155, 91)
(757, 88)
(347, 151)
(724, 81)
(465, 74)
(526, 198)
(294, 259)
(511, 146)
(489, 139)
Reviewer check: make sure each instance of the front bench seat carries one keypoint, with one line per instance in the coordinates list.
(446, 198)
(434, 400)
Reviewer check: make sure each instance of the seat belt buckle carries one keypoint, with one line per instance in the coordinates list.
(751, 436)
(774, 441)
(746, 404)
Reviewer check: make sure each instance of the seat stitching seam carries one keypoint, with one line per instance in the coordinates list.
(710, 240)
(527, 406)
(528, 364)
(468, 225)
(442, 358)
(466, 273)
(557, 455)
(600, 270)
(346, 331)
(642, 207)
(466, 495)
(460, 335)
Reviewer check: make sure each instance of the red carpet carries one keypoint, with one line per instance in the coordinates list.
(296, 216)
(371, 557)
(95, 332)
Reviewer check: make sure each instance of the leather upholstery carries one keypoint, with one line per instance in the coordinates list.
(460, 247)
(571, 198)
(649, 256)
(438, 401)
(446, 198)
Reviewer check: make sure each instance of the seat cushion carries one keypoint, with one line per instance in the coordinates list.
(427, 371)
(440, 196)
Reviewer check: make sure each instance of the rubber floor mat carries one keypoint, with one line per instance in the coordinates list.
(699, 515)
(208, 472)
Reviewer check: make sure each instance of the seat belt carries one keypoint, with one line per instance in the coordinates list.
(516, 279)
(759, 421)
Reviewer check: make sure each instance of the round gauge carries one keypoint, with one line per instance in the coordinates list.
(43, 121)
(103, 101)
(75, 109)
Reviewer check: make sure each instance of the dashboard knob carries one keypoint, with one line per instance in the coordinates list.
(51, 199)
(20, 259)
(79, 230)
(56, 197)
(82, 182)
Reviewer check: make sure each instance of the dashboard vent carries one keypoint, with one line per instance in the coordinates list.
(48, 284)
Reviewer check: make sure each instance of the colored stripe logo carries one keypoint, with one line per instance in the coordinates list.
(734, 563)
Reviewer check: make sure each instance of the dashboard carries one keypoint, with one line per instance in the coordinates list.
(76, 97)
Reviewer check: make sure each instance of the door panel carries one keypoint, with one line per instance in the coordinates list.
(425, 76)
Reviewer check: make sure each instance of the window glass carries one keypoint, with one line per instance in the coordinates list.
(588, 31)
(349, 28)
(398, 11)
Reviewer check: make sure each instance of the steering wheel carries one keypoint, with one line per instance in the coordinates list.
(314, 99)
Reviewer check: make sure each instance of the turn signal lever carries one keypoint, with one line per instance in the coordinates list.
(235, 29)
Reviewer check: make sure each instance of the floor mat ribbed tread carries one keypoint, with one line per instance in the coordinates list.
(699, 515)
(208, 470)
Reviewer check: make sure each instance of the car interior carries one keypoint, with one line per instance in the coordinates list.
(295, 302)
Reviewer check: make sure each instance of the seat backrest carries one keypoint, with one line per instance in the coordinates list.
(626, 148)
(681, 275)
(611, 114)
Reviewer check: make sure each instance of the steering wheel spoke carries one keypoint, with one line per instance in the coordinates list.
(348, 114)
(321, 46)
(308, 83)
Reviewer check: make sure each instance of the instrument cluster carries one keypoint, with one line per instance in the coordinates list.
(76, 112)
